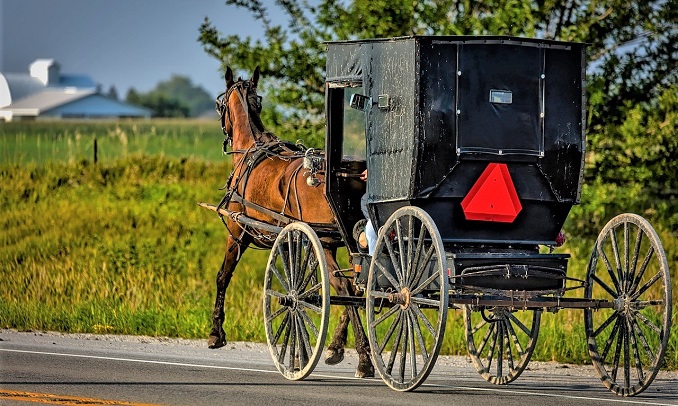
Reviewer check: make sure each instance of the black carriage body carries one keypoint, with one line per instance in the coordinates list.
(441, 110)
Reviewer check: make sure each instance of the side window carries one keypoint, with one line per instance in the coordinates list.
(354, 128)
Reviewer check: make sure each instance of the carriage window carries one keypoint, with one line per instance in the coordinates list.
(354, 127)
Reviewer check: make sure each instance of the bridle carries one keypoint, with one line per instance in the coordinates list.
(242, 89)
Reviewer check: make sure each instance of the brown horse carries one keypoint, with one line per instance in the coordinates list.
(268, 185)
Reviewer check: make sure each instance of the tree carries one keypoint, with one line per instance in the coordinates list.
(160, 104)
(113, 93)
(632, 54)
(194, 97)
(176, 97)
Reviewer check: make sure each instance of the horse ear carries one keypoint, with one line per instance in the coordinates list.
(255, 76)
(229, 77)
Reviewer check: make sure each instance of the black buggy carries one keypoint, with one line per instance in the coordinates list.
(475, 150)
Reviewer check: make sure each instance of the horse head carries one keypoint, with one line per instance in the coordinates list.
(239, 108)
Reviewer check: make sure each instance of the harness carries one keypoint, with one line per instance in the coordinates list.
(271, 148)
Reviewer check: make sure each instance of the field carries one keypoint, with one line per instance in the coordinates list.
(121, 247)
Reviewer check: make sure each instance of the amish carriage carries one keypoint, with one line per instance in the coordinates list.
(475, 152)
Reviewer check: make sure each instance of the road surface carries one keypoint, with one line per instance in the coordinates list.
(54, 368)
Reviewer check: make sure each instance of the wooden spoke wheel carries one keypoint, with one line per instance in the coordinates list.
(501, 341)
(628, 267)
(296, 301)
(407, 298)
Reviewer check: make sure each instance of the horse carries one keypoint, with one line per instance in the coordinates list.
(267, 184)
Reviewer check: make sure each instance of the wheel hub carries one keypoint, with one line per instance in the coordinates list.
(289, 300)
(402, 298)
(622, 304)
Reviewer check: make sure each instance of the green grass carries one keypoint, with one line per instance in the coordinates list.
(121, 247)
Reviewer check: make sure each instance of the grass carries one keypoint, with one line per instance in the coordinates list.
(121, 247)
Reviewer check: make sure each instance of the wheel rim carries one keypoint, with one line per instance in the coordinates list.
(296, 301)
(406, 320)
(500, 341)
(628, 267)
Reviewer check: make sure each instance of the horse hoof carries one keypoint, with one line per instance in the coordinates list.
(334, 356)
(365, 373)
(365, 368)
(215, 342)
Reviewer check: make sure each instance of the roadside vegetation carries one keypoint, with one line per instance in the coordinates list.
(121, 247)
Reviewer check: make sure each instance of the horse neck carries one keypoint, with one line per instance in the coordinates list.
(248, 131)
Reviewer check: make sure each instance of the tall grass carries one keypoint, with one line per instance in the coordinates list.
(121, 246)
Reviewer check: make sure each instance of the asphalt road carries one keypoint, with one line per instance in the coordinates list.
(85, 370)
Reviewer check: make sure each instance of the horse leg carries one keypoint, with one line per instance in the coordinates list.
(365, 368)
(335, 351)
(217, 337)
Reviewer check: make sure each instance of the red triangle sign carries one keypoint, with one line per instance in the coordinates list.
(493, 197)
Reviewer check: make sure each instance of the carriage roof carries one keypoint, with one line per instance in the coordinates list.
(441, 108)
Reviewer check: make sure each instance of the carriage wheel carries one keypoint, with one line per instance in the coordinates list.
(407, 298)
(296, 301)
(501, 341)
(628, 267)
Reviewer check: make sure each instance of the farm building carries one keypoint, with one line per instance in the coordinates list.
(44, 92)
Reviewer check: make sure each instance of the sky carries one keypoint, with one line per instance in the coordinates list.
(121, 43)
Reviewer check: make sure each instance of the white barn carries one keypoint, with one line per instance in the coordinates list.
(44, 92)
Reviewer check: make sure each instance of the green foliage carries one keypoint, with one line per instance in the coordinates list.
(176, 97)
(631, 86)
(121, 247)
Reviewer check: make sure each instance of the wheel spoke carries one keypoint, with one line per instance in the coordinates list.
(311, 290)
(514, 337)
(634, 348)
(308, 274)
(284, 259)
(395, 346)
(519, 323)
(508, 331)
(424, 301)
(293, 344)
(311, 307)
(606, 323)
(418, 333)
(643, 268)
(394, 260)
(276, 314)
(420, 315)
(423, 265)
(309, 323)
(413, 353)
(648, 322)
(646, 286)
(604, 286)
(386, 273)
(500, 353)
(643, 340)
(617, 259)
(386, 315)
(410, 246)
(414, 276)
(286, 340)
(486, 338)
(618, 350)
(279, 277)
(401, 250)
(281, 328)
(610, 339)
(290, 255)
(425, 284)
(608, 266)
(391, 330)
(274, 293)
(403, 350)
(493, 346)
(304, 341)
